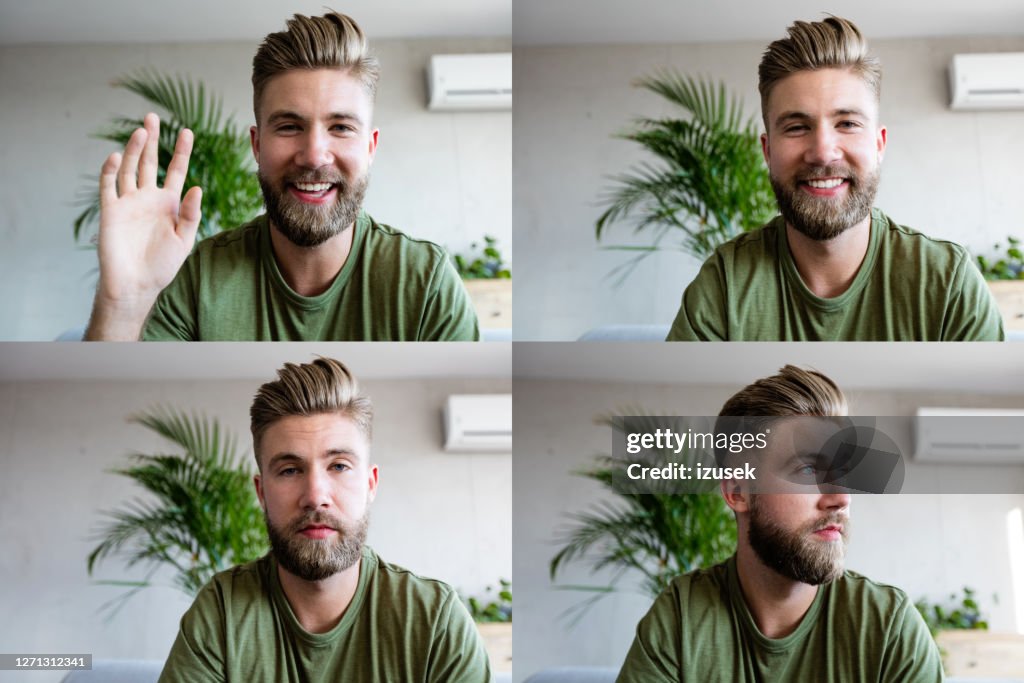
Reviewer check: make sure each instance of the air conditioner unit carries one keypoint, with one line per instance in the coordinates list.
(470, 82)
(987, 81)
(478, 422)
(969, 436)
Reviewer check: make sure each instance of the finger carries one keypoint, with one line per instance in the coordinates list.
(178, 168)
(189, 214)
(148, 163)
(126, 180)
(108, 179)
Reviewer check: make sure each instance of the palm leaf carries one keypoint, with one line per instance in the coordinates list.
(708, 182)
(199, 515)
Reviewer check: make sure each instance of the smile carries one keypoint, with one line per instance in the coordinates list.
(312, 193)
(826, 183)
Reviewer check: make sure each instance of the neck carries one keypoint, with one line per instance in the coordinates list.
(776, 602)
(319, 605)
(828, 268)
(309, 271)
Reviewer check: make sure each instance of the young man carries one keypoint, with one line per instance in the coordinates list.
(783, 608)
(314, 267)
(831, 267)
(321, 606)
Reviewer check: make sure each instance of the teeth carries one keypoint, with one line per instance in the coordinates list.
(825, 184)
(313, 187)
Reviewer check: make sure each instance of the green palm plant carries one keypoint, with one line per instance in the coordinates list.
(708, 183)
(221, 161)
(653, 537)
(201, 516)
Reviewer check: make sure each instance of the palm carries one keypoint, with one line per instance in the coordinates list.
(145, 230)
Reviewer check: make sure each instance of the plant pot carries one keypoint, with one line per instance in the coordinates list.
(492, 300)
(498, 641)
(1009, 296)
(981, 654)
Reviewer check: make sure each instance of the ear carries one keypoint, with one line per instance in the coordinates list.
(880, 142)
(765, 149)
(257, 481)
(254, 140)
(374, 136)
(372, 484)
(736, 495)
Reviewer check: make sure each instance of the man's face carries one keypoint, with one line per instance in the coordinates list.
(314, 144)
(316, 487)
(823, 148)
(801, 536)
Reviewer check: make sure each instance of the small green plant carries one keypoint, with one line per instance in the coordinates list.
(1008, 266)
(483, 265)
(962, 614)
(498, 610)
(200, 515)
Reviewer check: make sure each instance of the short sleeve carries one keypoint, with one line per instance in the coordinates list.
(911, 655)
(702, 313)
(448, 314)
(972, 314)
(197, 655)
(654, 656)
(457, 653)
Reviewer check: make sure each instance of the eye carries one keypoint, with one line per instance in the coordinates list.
(339, 467)
(848, 125)
(800, 128)
(343, 128)
(288, 471)
(287, 128)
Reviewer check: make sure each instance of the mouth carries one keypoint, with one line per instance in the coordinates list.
(824, 187)
(312, 193)
(832, 532)
(317, 531)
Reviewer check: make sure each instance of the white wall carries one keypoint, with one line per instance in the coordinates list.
(949, 174)
(442, 515)
(929, 545)
(440, 176)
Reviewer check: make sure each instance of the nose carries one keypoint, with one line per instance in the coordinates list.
(823, 148)
(316, 149)
(835, 502)
(317, 491)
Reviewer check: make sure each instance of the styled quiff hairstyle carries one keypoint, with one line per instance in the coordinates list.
(833, 43)
(333, 41)
(323, 386)
(792, 392)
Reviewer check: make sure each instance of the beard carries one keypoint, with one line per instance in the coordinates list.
(315, 559)
(824, 218)
(310, 225)
(794, 554)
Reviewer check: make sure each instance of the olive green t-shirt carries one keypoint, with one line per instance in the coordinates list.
(700, 629)
(909, 288)
(398, 627)
(391, 288)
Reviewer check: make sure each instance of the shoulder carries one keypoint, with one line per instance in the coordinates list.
(240, 245)
(385, 241)
(753, 245)
(392, 579)
(906, 242)
(239, 583)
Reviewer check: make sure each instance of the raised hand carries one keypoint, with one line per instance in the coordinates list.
(146, 232)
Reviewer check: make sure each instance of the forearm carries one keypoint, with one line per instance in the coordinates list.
(118, 320)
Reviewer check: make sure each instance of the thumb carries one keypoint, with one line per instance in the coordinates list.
(189, 214)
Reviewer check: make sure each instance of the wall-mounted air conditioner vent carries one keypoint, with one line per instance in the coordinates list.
(478, 422)
(987, 81)
(470, 82)
(969, 436)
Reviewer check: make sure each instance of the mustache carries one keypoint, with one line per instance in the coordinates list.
(316, 176)
(831, 171)
(316, 518)
(834, 519)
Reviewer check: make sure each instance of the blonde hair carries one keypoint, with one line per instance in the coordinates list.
(792, 392)
(323, 386)
(832, 43)
(333, 41)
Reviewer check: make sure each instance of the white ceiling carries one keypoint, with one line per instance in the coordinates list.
(969, 367)
(137, 21)
(28, 361)
(555, 22)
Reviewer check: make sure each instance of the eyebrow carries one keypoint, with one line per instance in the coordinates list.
(804, 116)
(288, 115)
(294, 458)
